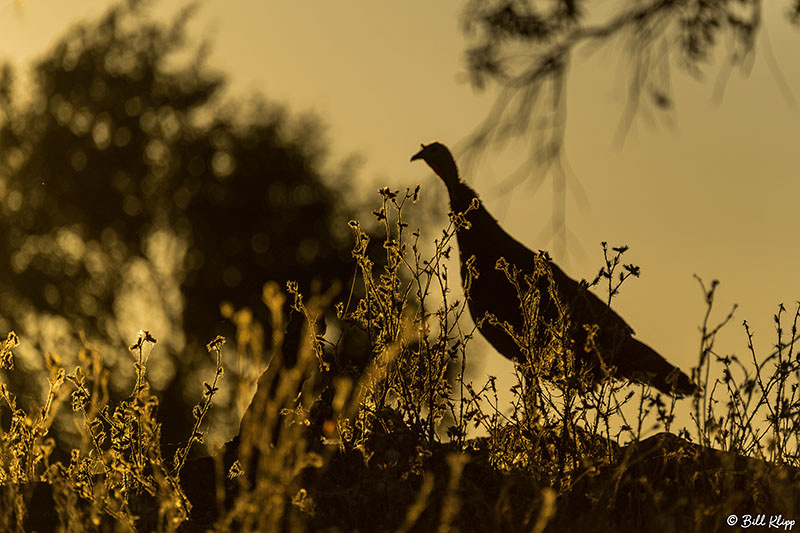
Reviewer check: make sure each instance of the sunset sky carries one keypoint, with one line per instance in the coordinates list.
(709, 188)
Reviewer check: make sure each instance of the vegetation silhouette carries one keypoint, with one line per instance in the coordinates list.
(319, 450)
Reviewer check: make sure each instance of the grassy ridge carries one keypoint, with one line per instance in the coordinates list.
(399, 441)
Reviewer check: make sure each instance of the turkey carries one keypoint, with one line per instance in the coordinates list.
(601, 341)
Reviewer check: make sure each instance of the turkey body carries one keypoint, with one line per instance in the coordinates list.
(543, 302)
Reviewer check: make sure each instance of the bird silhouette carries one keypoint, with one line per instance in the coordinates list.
(526, 292)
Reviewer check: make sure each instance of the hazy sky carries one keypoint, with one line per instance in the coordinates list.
(710, 188)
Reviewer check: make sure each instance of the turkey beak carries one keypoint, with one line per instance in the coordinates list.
(418, 155)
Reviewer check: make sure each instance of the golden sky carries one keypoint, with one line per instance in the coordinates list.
(710, 187)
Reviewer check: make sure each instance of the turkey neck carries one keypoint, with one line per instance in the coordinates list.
(484, 238)
(481, 221)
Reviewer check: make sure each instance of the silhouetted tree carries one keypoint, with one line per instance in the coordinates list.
(130, 197)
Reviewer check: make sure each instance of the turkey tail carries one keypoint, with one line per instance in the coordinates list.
(638, 362)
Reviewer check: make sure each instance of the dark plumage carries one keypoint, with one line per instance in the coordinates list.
(492, 292)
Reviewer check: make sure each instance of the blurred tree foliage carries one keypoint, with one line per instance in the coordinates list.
(526, 47)
(131, 197)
